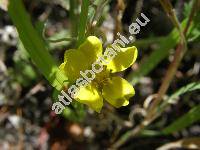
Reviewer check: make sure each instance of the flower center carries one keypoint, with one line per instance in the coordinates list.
(101, 78)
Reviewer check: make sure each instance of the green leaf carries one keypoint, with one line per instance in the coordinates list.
(72, 14)
(34, 44)
(188, 88)
(194, 36)
(36, 47)
(150, 133)
(144, 43)
(186, 120)
(83, 21)
(174, 97)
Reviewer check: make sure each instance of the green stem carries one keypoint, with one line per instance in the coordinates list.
(73, 15)
(34, 44)
(83, 21)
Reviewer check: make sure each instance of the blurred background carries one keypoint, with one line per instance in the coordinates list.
(26, 118)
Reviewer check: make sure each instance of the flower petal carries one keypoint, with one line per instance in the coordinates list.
(90, 96)
(74, 62)
(124, 59)
(82, 58)
(117, 92)
(92, 48)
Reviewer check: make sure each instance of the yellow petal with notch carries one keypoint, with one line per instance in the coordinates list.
(92, 48)
(90, 96)
(74, 62)
(117, 92)
(124, 59)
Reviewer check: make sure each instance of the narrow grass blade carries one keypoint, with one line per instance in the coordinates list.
(83, 21)
(174, 97)
(186, 120)
(187, 143)
(34, 44)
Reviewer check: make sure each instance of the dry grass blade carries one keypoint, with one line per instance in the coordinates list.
(188, 143)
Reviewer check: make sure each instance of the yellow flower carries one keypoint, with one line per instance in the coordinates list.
(101, 82)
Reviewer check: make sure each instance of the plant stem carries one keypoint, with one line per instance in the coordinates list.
(120, 7)
(34, 44)
(179, 53)
(83, 21)
(167, 6)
